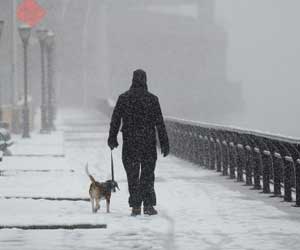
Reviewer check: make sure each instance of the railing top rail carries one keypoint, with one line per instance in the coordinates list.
(235, 129)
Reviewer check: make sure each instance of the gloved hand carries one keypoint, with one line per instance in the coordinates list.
(165, 150)
(112, 143)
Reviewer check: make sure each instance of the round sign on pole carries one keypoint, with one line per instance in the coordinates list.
(30, 12)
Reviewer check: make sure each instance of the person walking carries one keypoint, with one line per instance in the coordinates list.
(140, 114)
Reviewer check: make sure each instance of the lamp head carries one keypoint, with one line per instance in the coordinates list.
(42, 34)
(24, 31)
(50, 39)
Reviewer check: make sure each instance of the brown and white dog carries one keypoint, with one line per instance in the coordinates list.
(100, 191)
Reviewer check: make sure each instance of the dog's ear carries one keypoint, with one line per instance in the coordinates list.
(115, 184)
(110, 185)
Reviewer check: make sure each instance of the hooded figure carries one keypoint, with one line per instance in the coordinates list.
(139, 79)
(141, 116)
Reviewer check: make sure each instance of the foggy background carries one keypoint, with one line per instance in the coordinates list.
(264, 54)
(232, 62)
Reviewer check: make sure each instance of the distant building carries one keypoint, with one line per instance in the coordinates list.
(99, 44)
(8, 68)
(6, 53)
(184, 51)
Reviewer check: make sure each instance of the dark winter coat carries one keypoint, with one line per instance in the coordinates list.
(140, 114)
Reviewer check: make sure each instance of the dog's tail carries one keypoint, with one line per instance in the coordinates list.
(88, 173)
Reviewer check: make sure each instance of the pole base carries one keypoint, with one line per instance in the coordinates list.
(26, 125)
(265, 192)
(26, 136)
(44, 131)
(276, 196)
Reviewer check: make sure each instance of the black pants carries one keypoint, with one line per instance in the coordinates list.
(140, 177)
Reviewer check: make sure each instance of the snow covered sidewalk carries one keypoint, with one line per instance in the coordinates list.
(198, 209)
(39, 145)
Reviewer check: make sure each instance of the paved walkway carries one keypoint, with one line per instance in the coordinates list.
(198, 209)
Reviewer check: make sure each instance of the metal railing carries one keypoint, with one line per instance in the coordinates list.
(261, 160)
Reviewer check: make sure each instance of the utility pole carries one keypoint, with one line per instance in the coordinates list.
(25, 32)
(13, 53)
(104, 47)
(42, 35)
(1, 29)
(50, 75)
(85, 53)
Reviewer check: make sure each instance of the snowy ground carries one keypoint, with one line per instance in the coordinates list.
(198, 209)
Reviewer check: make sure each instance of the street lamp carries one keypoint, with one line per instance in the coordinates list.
(1, 29)
(50, 73)
(42, 35)
(24, 32)
(1, 26)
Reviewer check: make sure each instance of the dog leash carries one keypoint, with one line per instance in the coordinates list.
(115, 184)
(112, 166)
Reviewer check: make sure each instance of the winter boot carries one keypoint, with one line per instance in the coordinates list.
(150, 210)
(136, 211)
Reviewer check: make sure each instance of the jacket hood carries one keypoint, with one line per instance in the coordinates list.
(139, 80)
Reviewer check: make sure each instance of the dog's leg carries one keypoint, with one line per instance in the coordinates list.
(97, 204)
(93, 205)
(107, 205)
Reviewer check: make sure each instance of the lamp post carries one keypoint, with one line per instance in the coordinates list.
(1, 29)
(42, 35)
(1, 26)
(24, 32)
(50, 75)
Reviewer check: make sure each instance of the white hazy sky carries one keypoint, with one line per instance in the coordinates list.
(264, 55)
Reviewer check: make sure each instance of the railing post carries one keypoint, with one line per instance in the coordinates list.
(206, 146)
(179, 141)
(257, 168)
(184, 144)
(249, 164)
(209, 152)
(219, 155)
(241, 162)
(180, 145)
(232, 163)
(267, 166)
(225, 158)
(190, 146)
(288, 178)
(277, 166)
(201, 150)
(212, 153)
(297, 170)
(205, 150)
(176, 141)
(195, 147)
